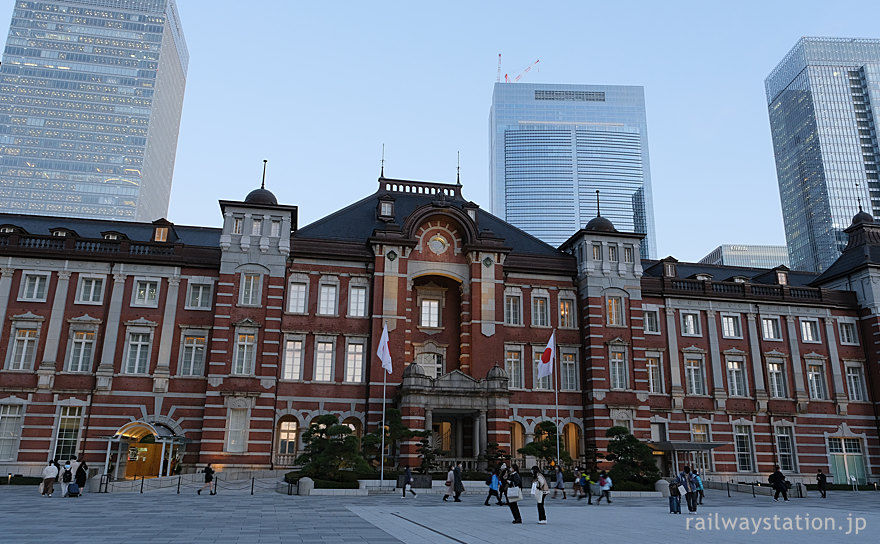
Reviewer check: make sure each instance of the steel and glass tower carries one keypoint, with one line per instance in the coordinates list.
(91, 93)
(553, 146)
(823, 99)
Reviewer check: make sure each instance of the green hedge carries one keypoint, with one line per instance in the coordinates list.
(22, 480)
(841, 487)
(330, 484)
(631, 486)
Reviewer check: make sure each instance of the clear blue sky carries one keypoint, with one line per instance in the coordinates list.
(317, 88)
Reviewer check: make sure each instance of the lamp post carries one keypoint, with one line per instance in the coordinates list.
(9, 479)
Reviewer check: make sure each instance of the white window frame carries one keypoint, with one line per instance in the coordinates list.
(136, 289)
(735, 320)
(318, 375)
(201, 284)
(237, 224)
(431, 357)
(545, 383)
(257, 225)
(293, 357)
(766, 328)
(10, 431)
(690, 323)
(655, 378)
(137, 370)
(42, 278)
(75, 348)
(695, 435)
(567, 320)
(513, 318)
(244, 356)
(786, 431)
(72, 412)
(361, 287)
(697, 370)
(299, 280)
(614, 311)
(275, 228)
(854, 341)
(857, 392)
(82, 280)
(806, 324)
(741, 430)
(430, 313)
(28, 351)
(618, 368)
(188, 358)
(737, 380)
(354, 369)
(250, 292)
(515, 366)
(652, 310)
(328, 306)
(612, 253)
(540, 316)
(816, 384)
(771, 383)
(628, 253)
(237, 438)
(569, 379)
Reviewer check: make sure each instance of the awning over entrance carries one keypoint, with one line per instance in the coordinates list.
(136, 430)
(669, 446)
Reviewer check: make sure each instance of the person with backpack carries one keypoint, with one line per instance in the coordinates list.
(699, 482)
(541, 489)
(66, 479)
(209, 480)
(586, 485)
(675, 496)
(50, 474)
(686, 479)
(494, 483)
(604, 487)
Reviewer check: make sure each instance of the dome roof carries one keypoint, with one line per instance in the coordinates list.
(862, 217)
(497, 372)
(414, 369)
(261, 197)
(600, 224)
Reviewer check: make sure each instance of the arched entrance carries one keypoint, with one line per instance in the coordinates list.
(144, 450)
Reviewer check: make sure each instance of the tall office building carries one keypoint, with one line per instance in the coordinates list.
(91, 93)
(823, 125)
(553, 146)
(751, 256)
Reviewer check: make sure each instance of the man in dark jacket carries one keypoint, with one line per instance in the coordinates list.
(457, 485)
(777, 481)
(822, 482)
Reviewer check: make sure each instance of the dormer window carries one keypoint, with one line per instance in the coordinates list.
(472, 214)
(161, 234)
(237, 223)
(669, 270)
(6, 230)
(386, 208)
(704, 277)
(782, 277)
(59, 233)
(111, 236)
(740, 279)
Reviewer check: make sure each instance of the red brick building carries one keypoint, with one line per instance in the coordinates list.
(150, 344)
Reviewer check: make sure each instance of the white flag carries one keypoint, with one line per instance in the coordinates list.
(545, 367)
(383, 352)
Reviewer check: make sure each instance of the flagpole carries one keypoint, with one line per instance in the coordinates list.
(382, 453)
(556, 371)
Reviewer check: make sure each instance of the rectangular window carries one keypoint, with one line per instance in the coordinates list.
(615, 311)
(354, 363)
(192, 358)
(256, 227)
(743, 442)
(245, 353)
(292, 367)
(652, 322)
(785, 448)
(296, 298)
(855, 382)
(700, 432)
(430, 315)
(236, 438)
(146, 293)
(323, 361)
(540, 313)
(810, 330)
(34, 287)
(24, 349)
(81, 347)
(67, 439)
(138, 359)
(514, 366)
(357, 301)
(91, 290)
(816, 381)
(276, 229)
(250, 289)
(543, 383)
(597, 252)
(627, 254)
(612, 253)
(736, 379)
(776, 373)
(848, 333)
(161, 234)
(199, 296)
(512, 310)
(236, 225)
(618, 369)
(730, 326)
(10, 430)
(327, 300)
(696, 383)
(770, 328)
(655, 380)
(690, 324)
(566, 314)
(568, 372)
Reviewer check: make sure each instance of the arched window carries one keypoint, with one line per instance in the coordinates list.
(288, 434)
(571, 439)
(355, 425)
(517, 438)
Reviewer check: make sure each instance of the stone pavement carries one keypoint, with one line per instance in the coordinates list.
(235, 516)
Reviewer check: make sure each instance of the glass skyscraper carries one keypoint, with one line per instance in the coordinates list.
(91, 93)
(748, 255)
(552, 146)
(823, 99)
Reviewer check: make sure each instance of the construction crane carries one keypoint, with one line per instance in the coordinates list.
(498, 77)
(524, 72)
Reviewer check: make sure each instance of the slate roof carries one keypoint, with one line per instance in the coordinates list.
(862, 249)
(767, 276)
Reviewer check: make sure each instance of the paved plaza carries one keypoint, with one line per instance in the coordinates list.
(234, 516)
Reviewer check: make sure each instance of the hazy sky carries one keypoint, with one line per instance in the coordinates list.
(317, 88)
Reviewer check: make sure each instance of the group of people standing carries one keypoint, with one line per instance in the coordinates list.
(72, 475)
(687, 483)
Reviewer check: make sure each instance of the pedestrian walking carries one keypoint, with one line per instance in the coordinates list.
(66, 479)
(777, 481)
(699, 482)
(540, 488)
(494, 485)
(457, 485)
(560, 483)
(675, 496)
(50, 473)
(514, 492)
(686, 480)
(605, 484)
(822, 483)
(586, 485)
(450, 481)
(407, 482)
(81, 475)
(503, 474)
(576, 486)
(209, 480)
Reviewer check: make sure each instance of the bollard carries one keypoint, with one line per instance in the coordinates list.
(753, 490)
(178, 485)
(728, 490)
(142, 484)
(290, 488)
(216, 482)
(252, 484)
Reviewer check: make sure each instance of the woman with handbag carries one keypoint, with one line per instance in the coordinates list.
(450, 478)
(540, 489)
(514, 492)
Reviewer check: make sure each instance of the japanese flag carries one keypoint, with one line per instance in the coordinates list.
(545, 367)
(383, 352)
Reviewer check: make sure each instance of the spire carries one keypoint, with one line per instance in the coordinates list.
(382, 163)
(458, 169)
(598, 213)
(263, 185)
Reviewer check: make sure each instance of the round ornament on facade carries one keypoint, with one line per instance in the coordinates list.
(438, 244)
(391, 255)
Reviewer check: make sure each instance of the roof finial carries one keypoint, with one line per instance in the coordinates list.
(858, 196)
(458, 169)
(263, 185)
(382, 163)
(598, 213)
